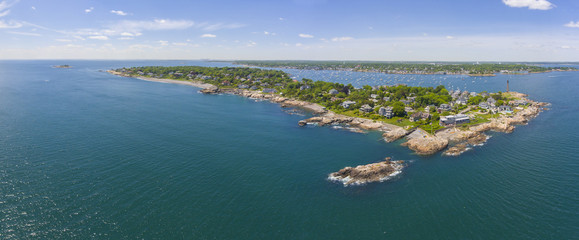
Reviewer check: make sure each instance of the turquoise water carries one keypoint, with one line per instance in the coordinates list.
(88, 155)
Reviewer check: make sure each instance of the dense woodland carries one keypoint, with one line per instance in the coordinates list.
(408, 67)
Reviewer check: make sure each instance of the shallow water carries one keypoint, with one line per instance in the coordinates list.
(85, 154)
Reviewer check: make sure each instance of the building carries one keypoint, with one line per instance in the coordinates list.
(387, 99)
(505, 108)
(366, 108)
(520, 102)
(484, 105)
(417, 116)
(269, 90)
(304, 87)
(454, 119)
(491, 101)
(374, 96)
(243, 86)
(444, 107)
(386, 112)
(347, 104)
(333, 91)
(461, 101)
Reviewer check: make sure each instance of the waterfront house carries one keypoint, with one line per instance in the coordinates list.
(408, 109)
(347, 104)
(304, 87)
(269, 90)
(505, 108)
(417, 116)
(484, 105)
(454, 119)
(366, 108)
(242, 86)
(374, 96)
(333, 91)
(253, 88)
(491, 101)
(386, 112)
(444, 107)
(520, 102)
(461, 101)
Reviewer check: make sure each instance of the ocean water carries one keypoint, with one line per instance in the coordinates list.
(88, 155)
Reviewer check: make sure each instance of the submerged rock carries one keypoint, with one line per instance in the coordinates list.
(374, 172)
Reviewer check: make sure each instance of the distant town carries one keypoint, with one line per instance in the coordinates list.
(441, 68)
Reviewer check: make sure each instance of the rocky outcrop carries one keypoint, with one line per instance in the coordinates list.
(375, 172)
(427, 145)
(210, 90)
(394, 134)
(456, 150)
(330, 118)
(477, 139)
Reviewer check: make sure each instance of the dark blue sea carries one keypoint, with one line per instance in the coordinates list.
(88, 155)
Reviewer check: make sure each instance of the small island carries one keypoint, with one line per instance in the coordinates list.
(62, 66)
(374, 172)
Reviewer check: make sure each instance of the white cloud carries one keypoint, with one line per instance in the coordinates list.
(6, 4)
(303, 35)
(2, 14)
(26, 34)
(219, 26)
(135, 28)
(341, 39)
(33, 8)
(531, 4)
(99, 37)
(62, 40)
(449, 37)
(299, 44)
(572, 24)
(180, 44)
(126, 38)
(9, 24)
(251, 44)
(88, 10)
(208, 35)
(164, 43)
(119, 12)
(281, 19)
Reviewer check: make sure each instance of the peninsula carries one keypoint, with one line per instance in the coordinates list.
(429, 119)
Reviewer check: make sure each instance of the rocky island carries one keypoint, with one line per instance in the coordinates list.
(374, 172)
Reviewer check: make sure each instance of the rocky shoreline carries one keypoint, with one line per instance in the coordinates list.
(362, 174)
(454, 140)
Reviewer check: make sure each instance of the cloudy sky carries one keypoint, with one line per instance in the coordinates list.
(390, 30)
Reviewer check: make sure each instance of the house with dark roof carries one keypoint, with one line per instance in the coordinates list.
(347, 104)
(386, 112)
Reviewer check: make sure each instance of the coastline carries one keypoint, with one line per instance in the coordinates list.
(455, 140)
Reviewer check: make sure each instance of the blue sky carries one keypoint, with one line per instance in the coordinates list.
(389, 30)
